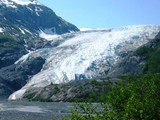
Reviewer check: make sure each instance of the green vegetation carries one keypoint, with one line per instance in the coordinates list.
(94, 91)
(8, 44)
(152, 57)
(144, 52)
(153, 63)
(56, 89)
(31, 96)
(136, 98)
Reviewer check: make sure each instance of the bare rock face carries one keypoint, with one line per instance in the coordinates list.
(14, 76)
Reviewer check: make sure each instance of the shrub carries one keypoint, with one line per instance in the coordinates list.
(138, 98)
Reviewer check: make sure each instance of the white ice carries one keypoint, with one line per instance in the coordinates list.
(90, 29)
(76, 54)
(27, 31)
(48, 37)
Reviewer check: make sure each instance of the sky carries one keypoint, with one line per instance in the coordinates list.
(106, 13)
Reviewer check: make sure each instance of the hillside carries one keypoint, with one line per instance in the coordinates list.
(24, 21)
(21, 26)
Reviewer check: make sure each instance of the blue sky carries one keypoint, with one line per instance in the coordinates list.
(106, 13)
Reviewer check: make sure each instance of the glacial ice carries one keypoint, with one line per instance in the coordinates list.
(72, 59)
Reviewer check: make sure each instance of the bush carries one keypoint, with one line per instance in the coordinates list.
(138, 98)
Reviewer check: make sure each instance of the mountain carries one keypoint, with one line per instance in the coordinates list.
(22, 26)
(88, 55)
(22, 23)
(33, 16)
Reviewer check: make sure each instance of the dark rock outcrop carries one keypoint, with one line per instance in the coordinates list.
(14, 76)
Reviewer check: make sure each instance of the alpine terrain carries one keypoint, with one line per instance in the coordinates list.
(87, 55)
(22, 26)
(39, 48)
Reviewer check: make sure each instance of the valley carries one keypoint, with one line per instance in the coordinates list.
(48, 66)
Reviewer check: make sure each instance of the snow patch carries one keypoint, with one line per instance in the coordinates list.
(1, 30)
(29, 8)
(49, 37)
(23, 58)
(25, 2)
(12, 3)
(28, 31)
(8, 3)
(22, 31)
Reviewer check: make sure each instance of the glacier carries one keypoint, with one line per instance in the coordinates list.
(84, 54)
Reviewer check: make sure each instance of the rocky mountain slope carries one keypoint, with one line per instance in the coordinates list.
(87, 55)
(22, 26)
(23, 22)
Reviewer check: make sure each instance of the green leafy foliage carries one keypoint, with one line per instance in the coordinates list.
(136, 98)
(31, 96)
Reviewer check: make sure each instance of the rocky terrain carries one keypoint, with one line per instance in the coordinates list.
(137, 62)
(14, 77)
(22, 27)
(23, 22)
